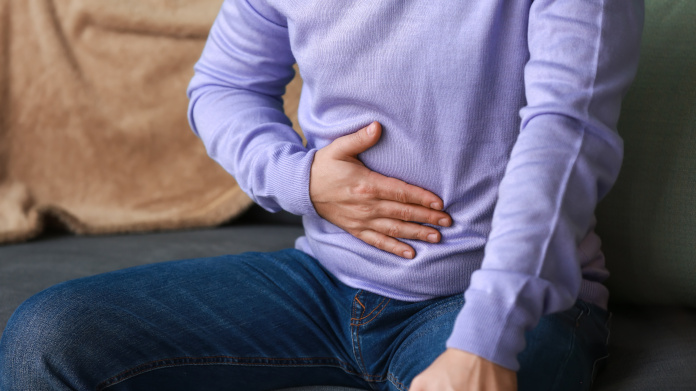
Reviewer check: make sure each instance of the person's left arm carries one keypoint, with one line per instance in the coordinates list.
(583, 57)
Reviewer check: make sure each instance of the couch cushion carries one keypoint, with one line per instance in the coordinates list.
(648, 221)
(27, 268)
(651, 349)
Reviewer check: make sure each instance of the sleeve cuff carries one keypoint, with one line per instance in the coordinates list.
(287, 180)
(490, 328)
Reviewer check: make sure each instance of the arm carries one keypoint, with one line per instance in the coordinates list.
(236, 107)
(583, 57)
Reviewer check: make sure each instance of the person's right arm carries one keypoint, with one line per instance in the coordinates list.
(236, 109)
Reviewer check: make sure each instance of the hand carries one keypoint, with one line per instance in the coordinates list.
(372, 207)
(459, 370)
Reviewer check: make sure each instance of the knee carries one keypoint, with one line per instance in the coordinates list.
(40, 338)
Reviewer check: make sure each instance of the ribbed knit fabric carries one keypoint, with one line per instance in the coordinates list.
(506, 109)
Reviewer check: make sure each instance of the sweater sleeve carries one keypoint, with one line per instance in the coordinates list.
(236, 107)
(583, 57)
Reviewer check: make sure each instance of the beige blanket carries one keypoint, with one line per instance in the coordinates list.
(93, 126)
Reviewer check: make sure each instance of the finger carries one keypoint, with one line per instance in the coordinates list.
(411, 212)
(393, 189)
(386, 243)
(353, 144)
(399, 229)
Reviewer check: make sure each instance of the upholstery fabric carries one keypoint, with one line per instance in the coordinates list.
(651, 349)
(648, 221)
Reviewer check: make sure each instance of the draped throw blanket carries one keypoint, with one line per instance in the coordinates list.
(93, 127)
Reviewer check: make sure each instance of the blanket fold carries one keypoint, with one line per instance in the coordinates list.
(93, 126)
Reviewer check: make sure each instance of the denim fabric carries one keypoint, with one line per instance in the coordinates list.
(257, 321)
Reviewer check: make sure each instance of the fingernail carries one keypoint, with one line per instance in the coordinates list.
(432, 238)
(443, 222)
(372, 129)
(435, 205)
(407, 254)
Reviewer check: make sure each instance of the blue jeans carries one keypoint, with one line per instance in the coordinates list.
(257, 321)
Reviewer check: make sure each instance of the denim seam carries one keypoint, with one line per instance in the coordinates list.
(363, 306)
(370, 378)
(375, 316)
(365, 375)
(359, 302)
(606, 345)
(394, 380)
(594, 367)
(222, 360)
(356, 339)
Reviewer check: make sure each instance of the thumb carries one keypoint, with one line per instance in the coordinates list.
(355, 143)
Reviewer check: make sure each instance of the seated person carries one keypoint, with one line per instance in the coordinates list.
(455, 153)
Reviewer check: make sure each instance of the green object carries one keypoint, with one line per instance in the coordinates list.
(648, 221)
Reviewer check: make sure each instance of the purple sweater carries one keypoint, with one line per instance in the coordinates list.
(506, 109)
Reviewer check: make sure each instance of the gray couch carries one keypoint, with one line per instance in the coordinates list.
(648, 224)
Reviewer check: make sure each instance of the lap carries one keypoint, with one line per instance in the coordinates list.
(200, 322)
(259, 321)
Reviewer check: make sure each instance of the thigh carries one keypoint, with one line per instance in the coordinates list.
(251, 321)
(561, 353)
(422, 340)
(564, 350)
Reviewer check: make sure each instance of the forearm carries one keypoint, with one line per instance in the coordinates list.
(236, 108)
(583, 56)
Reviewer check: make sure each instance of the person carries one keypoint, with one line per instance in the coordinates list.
(454, 155)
